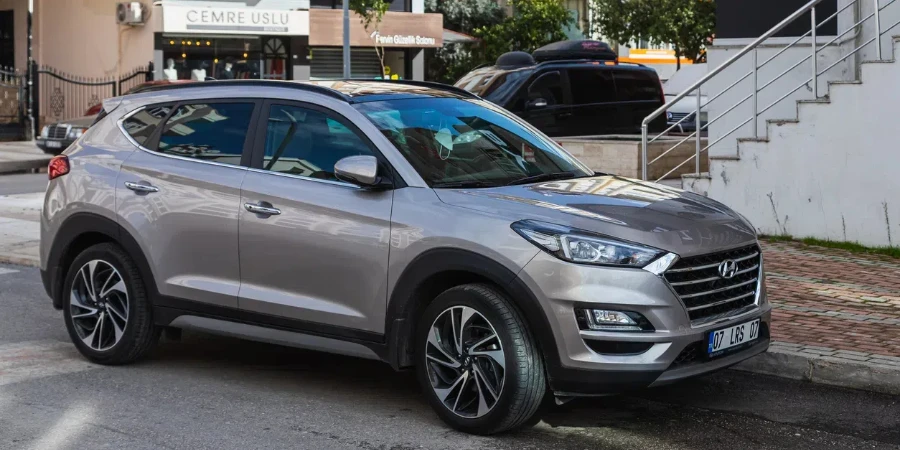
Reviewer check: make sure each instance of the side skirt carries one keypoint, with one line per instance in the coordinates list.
(271, 329)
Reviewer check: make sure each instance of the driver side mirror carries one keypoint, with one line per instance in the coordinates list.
(360, 170)
(536, 103)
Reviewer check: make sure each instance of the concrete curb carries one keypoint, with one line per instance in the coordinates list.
(19, 260)
(825, 370)
(24, 165)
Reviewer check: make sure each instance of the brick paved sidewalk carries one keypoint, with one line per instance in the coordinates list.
(833, 304)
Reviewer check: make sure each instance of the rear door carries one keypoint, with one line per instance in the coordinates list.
(594, 106)
(318, 253)
(639, 93)
(180, 195)
(544, 104)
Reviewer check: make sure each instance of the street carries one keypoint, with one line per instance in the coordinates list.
(218, 393)
(24, 183)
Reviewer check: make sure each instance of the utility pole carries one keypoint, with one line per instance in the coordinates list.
(30, 72)
(346, 38)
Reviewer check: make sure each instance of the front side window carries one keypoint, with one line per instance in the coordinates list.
(210, 132)
(548, 87)
(456, 142)
(142, 124)
(307, 142)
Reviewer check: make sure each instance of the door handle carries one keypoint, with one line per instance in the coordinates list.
(565, 115)
(262, 208)
(141, 188)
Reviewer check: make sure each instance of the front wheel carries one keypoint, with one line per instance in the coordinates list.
(477, 362)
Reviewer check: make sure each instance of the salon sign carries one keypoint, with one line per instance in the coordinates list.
(213, 20)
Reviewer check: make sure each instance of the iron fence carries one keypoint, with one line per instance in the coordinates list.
(62, 96)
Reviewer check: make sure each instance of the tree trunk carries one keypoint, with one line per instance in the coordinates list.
(677, 58)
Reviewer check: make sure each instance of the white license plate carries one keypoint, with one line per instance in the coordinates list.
(732, 336)
(53, 144)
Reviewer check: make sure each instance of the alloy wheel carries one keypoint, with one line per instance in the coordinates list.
(99, 305)
(465, 362)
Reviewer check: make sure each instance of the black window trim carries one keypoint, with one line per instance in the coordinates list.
(153, 141)
(257, 156)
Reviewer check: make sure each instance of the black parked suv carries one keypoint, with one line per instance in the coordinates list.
(572, 88)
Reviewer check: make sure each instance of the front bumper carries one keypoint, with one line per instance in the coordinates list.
(55, 146)
(673, 351)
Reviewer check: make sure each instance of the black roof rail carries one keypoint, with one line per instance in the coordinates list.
(428, 84)
(244, 83)
(595, 61)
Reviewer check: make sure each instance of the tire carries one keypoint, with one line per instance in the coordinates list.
(122, 331)
(520, 378)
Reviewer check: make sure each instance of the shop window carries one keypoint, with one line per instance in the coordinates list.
(208, 132)
(305, 142)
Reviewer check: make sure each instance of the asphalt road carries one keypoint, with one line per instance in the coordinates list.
(23, 183)
(216, 393)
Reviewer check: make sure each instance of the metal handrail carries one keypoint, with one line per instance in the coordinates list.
(811, 82)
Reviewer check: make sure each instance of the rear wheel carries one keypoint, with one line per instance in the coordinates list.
(477, 362)
(106, 309)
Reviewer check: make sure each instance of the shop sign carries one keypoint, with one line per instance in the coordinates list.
(199, 20)
(396, 29)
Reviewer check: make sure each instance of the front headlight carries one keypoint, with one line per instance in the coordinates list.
(76, 133)
(584, 247)
(45, 131)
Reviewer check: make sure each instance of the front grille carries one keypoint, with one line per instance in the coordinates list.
(678, 116)
(705, 293)
(58, 131)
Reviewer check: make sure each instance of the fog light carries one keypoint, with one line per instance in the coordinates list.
(609, 320)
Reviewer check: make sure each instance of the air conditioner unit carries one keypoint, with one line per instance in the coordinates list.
(130, 13)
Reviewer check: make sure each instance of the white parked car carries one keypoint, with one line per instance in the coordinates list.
(686, 107)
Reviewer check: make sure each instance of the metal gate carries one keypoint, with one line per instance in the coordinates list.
(12, 105)
(62, 96)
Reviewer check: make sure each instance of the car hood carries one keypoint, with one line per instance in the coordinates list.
(86, 121)
(685, 105)
(647, 213)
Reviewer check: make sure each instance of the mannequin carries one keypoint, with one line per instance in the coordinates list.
(199, 73)
(227, 74)
(170, 73)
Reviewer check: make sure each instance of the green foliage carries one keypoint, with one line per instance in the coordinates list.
(534, 23)
(370, 14)
(686, 24)
(450, 62)
(370, 11)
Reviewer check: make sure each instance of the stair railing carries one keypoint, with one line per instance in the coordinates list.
(812, 81)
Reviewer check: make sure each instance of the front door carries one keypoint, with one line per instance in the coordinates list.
(545, 105)
(181, 196)
(312, 248)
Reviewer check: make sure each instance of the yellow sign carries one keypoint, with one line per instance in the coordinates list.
(387, 70)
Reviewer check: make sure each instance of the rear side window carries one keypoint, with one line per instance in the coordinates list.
(591, 86)
(142, 124)
(209, 132)
(635, 85)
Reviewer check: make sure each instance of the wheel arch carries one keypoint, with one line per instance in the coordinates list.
(77, 233)
(437, 270)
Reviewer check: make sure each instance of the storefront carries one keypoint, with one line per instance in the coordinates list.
(228, 42)
(401, 35)
(197, 42)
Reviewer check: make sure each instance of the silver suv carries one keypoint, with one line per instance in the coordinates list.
(410, 223)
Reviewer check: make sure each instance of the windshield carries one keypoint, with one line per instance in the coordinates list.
(454, 142)
(494, 84)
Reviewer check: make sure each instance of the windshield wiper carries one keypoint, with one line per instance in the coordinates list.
(543, 177)
(464, 184)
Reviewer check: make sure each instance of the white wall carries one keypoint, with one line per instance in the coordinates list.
(833, 175)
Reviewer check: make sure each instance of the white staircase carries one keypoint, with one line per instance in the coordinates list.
(831, 172)
(813, 150)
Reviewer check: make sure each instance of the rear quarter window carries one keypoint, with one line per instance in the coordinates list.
(142, 124)
(637, 85)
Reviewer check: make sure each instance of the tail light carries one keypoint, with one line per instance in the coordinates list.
(59, 166)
